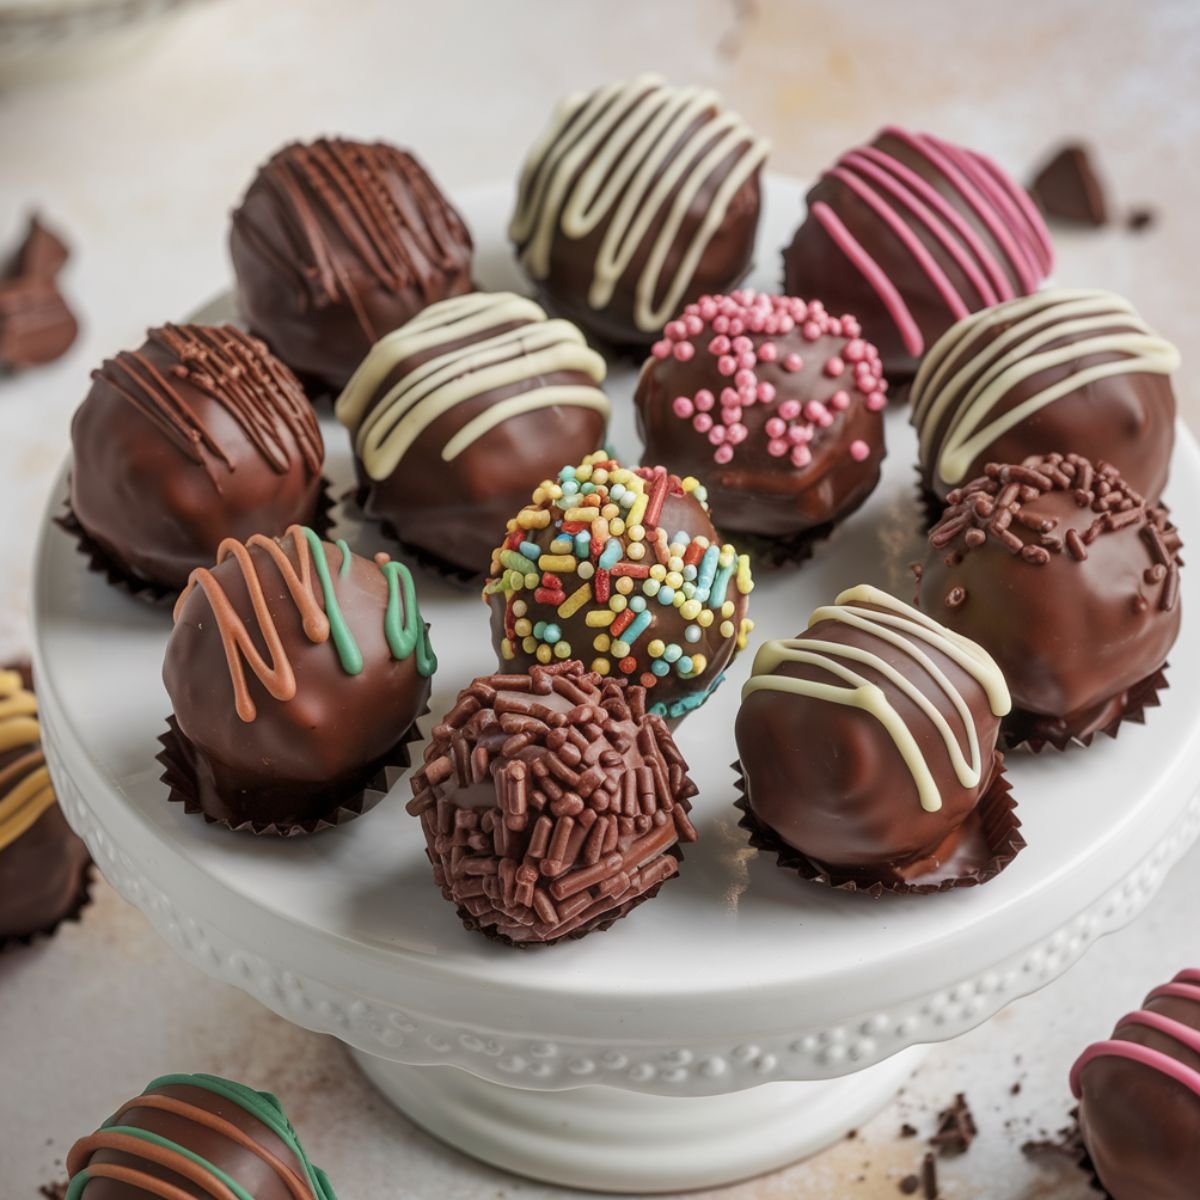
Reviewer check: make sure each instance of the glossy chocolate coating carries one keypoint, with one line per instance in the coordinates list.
(1071, 636)
(338, 242)
(297, 758)
(552, 803)
(203, 1125)
(1139, 1125)
(828, 779)
(572, 260)
(815, 265)
(165, 464)
(757, 491)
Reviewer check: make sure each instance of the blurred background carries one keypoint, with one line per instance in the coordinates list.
(133, 126)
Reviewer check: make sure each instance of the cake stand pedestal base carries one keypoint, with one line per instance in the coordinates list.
(603, 1139)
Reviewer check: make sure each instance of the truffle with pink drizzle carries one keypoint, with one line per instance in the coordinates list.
(775, 403)
(913, 233)
(1139, 1097)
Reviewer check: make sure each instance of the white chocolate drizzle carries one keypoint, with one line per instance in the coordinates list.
(628, 154)
(904, 628)
(968, 384)
(477, 343)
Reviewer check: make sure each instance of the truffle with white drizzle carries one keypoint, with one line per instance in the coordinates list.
(458, 415)
(1062, 369)
(638, 198)
(866, 742)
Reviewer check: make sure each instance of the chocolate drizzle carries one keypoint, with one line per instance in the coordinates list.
(223, 363)
(375, 199)
(551, 801)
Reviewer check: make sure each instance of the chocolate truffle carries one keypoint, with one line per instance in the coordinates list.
(622, 567)
(1063, 367)
(1139, 1097)
(36, 323)
(1067, 577)
(868, 741)
(911, 234)
(43, 865)
(457, 417)
(638, 198)
(552, 803)
(195, 1135)
(774, 402)
(337, 243)
(200, 435)
(296, 670)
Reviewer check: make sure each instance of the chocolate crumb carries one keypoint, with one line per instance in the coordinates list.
(1067, 188)
(1015, 1090)
(909, 1185)
(1141, 219)
(53, 1191)
(1066, 1145)
(956, 1129)
(929, 1179)
(908, 1131)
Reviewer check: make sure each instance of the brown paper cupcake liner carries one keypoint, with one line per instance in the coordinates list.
(601, 925)
(178, 758)
(73, 914)
(456, 576)
(990, 840)
(1036, 732)
(156, 594)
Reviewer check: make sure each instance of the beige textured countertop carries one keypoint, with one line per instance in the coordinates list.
(140, 163)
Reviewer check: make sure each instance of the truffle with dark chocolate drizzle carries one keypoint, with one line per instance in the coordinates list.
(43, 865)
(296, 670)
(552, 803)
(195, 1135)
(339, 242)
(1071, 581)
(868, 742)
(199, 435)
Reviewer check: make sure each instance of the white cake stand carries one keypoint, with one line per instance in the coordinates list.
(740, 1021)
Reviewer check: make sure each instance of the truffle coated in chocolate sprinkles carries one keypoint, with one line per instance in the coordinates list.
(551, 802)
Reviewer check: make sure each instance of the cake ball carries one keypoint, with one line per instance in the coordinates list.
(296, 671)
(621, 567)
(457, 416)
(199, 435)
(1139, 1097)
(43, 865)
(552, 803)
(775, 403)
(637, 198)
(337, 243)
(1070, 580)
(913, 233)
(868, 742)
(1064, 367)
(195, 1135)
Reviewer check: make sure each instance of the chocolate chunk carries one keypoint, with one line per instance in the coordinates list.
(1068, 189)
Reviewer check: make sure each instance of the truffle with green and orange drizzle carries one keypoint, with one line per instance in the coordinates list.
(621, 568)
(195, 1135)
(296, 670)
(43, 865)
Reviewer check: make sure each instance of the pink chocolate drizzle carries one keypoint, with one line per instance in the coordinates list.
(918, 215)
(1185, 986)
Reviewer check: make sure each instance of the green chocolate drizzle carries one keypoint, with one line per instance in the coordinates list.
(343, 640)
(406, 633)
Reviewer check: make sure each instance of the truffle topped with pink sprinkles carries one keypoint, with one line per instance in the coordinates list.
(775, 403)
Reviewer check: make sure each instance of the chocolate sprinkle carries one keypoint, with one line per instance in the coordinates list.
(956, 1129)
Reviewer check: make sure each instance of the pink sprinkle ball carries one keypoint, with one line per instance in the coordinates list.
(736, 336)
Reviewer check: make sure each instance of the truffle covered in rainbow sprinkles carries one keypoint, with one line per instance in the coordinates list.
(776, 403)
(637, 198)
(43, 865)
(912, 233)
(199, 435)
(458, 415)
(867, 747)
(1139, 1097)
(621, 568)
(195, 1135)
(338, 242)
(552, 803)
(1070, 579)
(297, 671)
(1061, 368)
